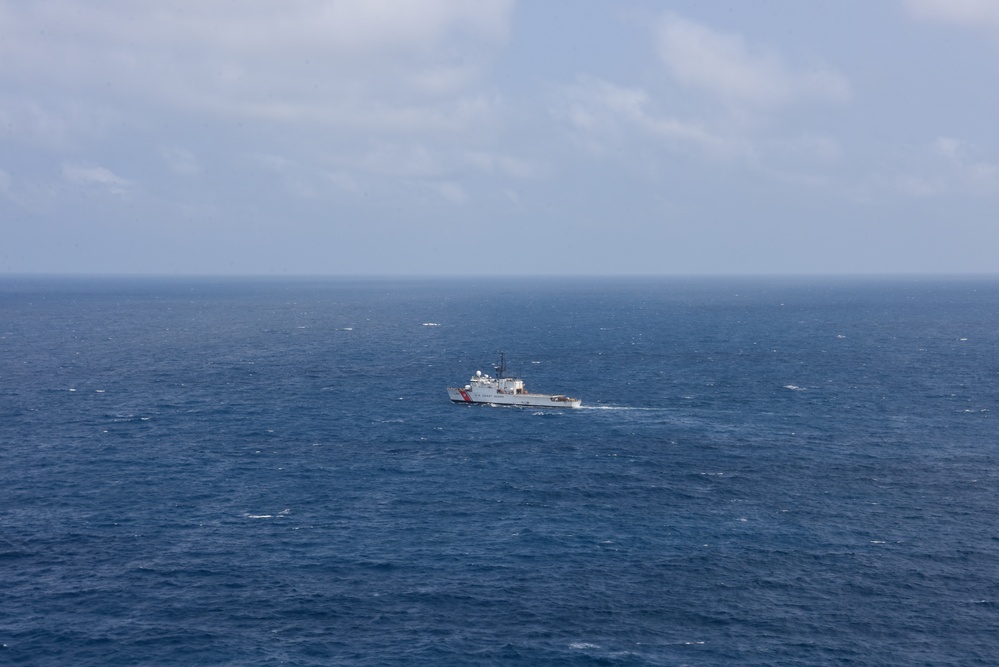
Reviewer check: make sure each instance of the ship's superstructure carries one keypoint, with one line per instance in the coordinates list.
(502, 390)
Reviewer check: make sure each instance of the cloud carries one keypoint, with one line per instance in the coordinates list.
(268, 162)
(967, 172)
(28, 119)
(181, 161)
(387, 169)
(294, 179)
(723, 66)
(343, 181)
(507, 165)
(968, 13)
(375, 63)
(405, 160)
(449, 190)
(602, 113)
(950, 166)
(815, 148)
(93, 176)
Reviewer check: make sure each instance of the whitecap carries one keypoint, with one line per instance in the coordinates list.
(431, 324)
(582, 645)
(794, 387)
(280, 515)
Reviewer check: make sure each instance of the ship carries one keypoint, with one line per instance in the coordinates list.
(503, 390)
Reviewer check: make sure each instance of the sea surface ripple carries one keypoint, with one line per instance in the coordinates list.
(268, 472)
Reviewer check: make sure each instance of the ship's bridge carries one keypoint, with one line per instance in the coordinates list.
(499, 385)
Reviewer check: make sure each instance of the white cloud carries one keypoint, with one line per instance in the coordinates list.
(268, 162)
(969, 13)
(181, 161)
(815, 148)
(507, 165)
(722, 65)
(950, 166)
(95, 176)
(387, 168)
(604, 113)
(921, 185)
(968, 173)
(294, 179)
(443, 79)
(407, 160)
(343, 181)
(449, 190)
(398, 64)
(51, 124)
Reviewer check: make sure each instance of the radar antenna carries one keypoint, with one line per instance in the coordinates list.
(501, 369)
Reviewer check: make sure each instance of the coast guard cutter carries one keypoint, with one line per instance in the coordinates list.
(502, 390)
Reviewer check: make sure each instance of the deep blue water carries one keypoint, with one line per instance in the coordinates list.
(236, 472)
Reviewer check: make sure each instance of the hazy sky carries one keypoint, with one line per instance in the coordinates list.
(499, 137)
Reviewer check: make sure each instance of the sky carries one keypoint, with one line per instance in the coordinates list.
(499, 137)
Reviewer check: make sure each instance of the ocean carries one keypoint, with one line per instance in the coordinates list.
(269, 472)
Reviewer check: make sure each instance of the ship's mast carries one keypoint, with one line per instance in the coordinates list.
(502, 366)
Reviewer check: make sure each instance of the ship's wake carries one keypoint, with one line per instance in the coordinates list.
(622, 407)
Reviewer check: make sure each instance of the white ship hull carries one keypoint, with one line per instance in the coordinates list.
(521, 400)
